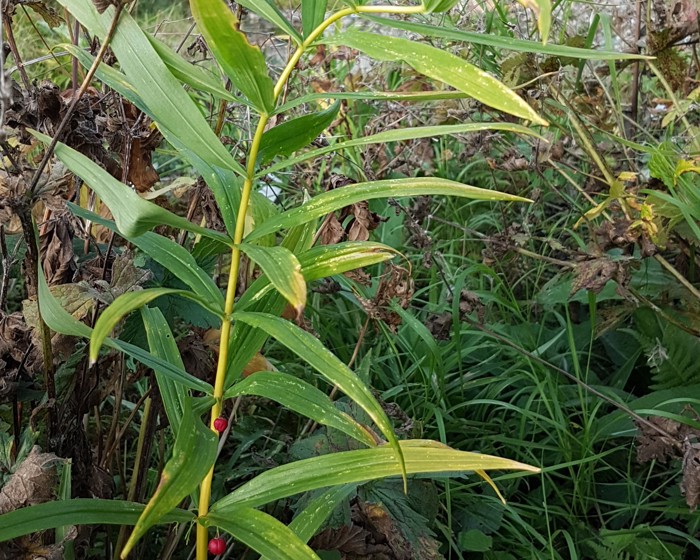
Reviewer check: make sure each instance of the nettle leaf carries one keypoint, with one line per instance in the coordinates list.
(261, 532)
(283, 271)
(288, 137)
(363, 465)
(442, 66)
(242, 62)
(267, 10)
(312, 14)
(194, 453)
(339, 198)
(303, 398)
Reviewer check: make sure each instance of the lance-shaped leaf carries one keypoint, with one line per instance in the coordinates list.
(421, 456)
(261, 532)
(133, 214)
(303, 398)
(80, 511)
(329, 260)
(288, 137)
(438, 5)
(267, 10)
(307, 523)
(120, 307)
(283, 271)
(310, 349)
(543, 11)
(194, 453)
(169, 254)
(312, 14)
(161, 343)
(339, 198)
(442, 66)
(242, 62)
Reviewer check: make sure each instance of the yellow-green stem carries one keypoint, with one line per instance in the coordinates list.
(222, 364)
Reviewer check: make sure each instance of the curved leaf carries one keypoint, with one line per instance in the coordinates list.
(115, 312)
(267, 10)
(359, 466)
(339, 198)
(310, 349)
(330, 260)
(261, 532)
(243, 63)
(194, 454)
(283, 271)
(442, 66)
(80, 511)
(303, 398)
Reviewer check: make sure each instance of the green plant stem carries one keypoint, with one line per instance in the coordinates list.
(222, 364)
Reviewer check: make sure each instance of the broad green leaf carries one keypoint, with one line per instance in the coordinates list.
(312, 14)
(283, 271)
(501, 42)
(310, 349)
(243, 63)
(303, 398)
(261, 532)
(161, 343)
(288, 137)
(169, 254)
(442, 66)
(307, 523)
(438, 5)
(348, 467)
(115, 312)
(133, 214)
(192, 75)
(330, 260)
(399, 135)
(80, 511)
(169, 104)
(339, 198)
(543, 11)
(267, 10)
(194, 454)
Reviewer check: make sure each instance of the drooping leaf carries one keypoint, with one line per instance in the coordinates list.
(243, 63)
(161, 343)
(79, 511)
(118, 309)
(347, 467)
(133, 214)
(323, 261)
(442, 66)
(283, 271)
(194, 453)
(310, 349)
(312, 14)
(303, 398)
(288, 137)
(267, 10)
(345, 196)
(263, 533)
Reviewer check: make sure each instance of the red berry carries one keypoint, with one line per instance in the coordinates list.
(220, 424)
(217, 546)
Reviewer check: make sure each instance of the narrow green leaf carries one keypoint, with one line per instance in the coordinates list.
(288, 137)
(194, 453)
(543, 11)
(169, 254)
(502, 42)
(442, 66)
(356, 467)
(169, 104)
(313, 13)
(339, 198)
(307, 523)
(399, 135)
(323, 261)
(161, 343)
(55, 317)
(120, 307)
(263, 533)
(133, 214)
(438, 5)
(243, 63)
(310, 349)
(283, 271)
(80, 511)
(267, 10)
(303, 398)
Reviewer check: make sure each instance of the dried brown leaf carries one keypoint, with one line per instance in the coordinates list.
(33, 482)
